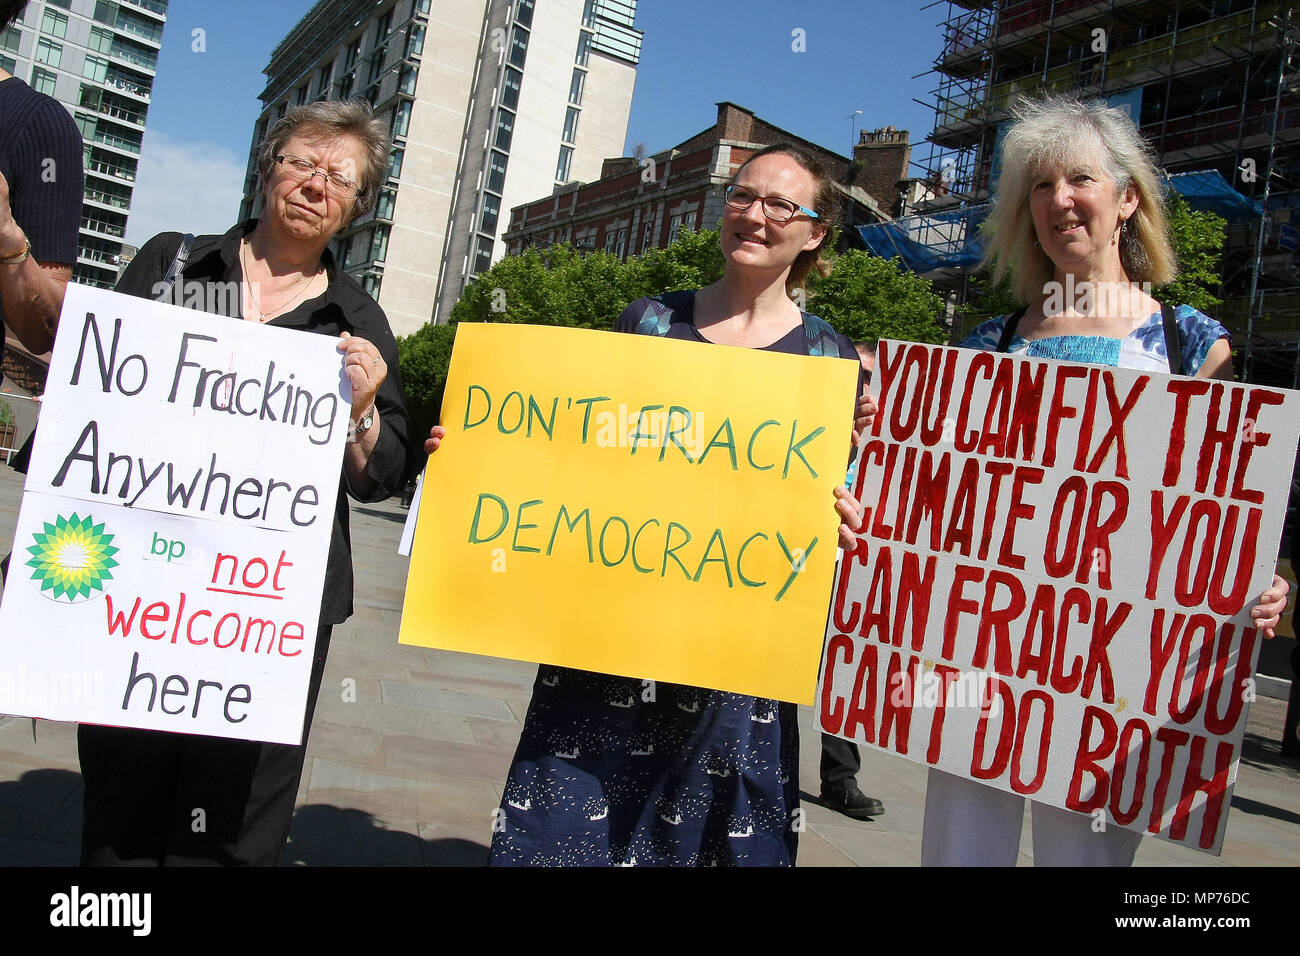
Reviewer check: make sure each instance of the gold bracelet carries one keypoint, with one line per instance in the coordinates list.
(18, 257)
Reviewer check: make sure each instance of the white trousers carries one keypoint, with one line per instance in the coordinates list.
(970, 824)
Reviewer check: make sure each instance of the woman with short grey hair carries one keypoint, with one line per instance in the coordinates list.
(321, 165)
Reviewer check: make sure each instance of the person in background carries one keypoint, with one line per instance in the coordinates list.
(41, 185)
(1078, 206)
(320, 167)
(1291, 726)
(841, 759)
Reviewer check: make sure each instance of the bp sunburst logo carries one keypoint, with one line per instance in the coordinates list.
(72, 558)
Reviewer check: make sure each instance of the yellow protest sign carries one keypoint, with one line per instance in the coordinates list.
(634, 506)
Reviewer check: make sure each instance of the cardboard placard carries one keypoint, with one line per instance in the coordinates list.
(635, 506)
(1051, 593)
(171, 543)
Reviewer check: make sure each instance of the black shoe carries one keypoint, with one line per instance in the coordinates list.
(852, 802)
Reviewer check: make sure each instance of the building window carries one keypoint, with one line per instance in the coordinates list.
(491, 212)
(510, 89)
(401, 118)
(301, 96)
(688, 222)
(575, 87)
(648, 233)
(620, 242)
(483, 255)
(379, 243)
(371, 282)
(415, 40)
(87, 125)
(9, 39)
(674, 229)
(519, 47)
(524, 12)
(345, 86)
(584, 48)
(386, 203)
(101, 41)
(571, 125)
(395, 163)
(562, 167)
(377, 64)
(354, 53)
(55, 24)
(407, 82)
(385, 26)
(43, 81)
(505, 129)
(8, 64)
(422, 6)
(323, 81)
(497, 172)
(95, 69)
(49, 52)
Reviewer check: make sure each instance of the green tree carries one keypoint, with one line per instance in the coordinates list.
(868, 298)
(984, 300)
(692, 261)
(1198, 238)
(424, 357)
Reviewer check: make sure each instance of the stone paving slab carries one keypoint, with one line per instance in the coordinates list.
(406, 760)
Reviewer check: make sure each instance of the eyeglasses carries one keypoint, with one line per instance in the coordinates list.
(774, 208)
(304, 169)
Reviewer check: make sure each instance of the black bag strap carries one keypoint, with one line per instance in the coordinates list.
(1173, 340)
(1009, 329)
(177, 267)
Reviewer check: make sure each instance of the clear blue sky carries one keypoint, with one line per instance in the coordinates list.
(858, 55)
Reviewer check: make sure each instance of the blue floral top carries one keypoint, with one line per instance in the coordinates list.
(1143, 349)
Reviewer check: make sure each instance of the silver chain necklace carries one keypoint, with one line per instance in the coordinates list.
(252, 286)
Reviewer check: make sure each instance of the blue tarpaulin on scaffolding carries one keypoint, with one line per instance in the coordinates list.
(950, 238)
(1208, 190)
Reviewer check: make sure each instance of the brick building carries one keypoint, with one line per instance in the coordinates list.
(639, 204)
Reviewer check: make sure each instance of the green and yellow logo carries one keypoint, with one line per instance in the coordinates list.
(72, 558)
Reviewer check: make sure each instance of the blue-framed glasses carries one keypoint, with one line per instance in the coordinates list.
(774, 207)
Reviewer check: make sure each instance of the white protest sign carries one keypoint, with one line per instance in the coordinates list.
(171, 544)
(1051, 592)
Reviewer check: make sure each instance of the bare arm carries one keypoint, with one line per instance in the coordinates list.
(1218, 362)
(31, 292)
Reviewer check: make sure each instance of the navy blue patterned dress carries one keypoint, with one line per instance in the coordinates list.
(619, 771)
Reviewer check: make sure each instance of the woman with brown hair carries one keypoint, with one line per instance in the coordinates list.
(613, 770)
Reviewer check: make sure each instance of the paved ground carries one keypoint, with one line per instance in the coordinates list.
(409, 772)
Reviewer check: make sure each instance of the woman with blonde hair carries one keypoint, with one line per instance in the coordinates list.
(1079, 227)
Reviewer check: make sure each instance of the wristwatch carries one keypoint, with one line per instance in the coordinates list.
(367, 422)
(18, 257)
